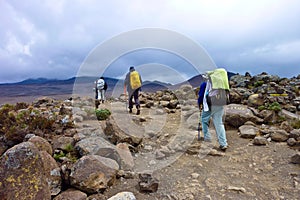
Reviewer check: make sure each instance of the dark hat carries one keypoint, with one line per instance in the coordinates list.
(131, 68)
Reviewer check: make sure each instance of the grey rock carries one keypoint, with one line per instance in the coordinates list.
(248, 131)
(89, 174)
(258, 140)
(123, 196)
(295, 133)
(63, 142)
(93, 145)
(295, 159)
(236, 115)
(52, 171)
(71, 194)
(291, 141)
(14, 182)
(147, 183)
(279, 135)
(117, 135)
(42, 144)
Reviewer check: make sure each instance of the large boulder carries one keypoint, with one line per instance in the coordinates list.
(92, 174)
(93, 145)
(22, 174)
(52, 171)
(127, 134)
(42, 144)
(236, 115)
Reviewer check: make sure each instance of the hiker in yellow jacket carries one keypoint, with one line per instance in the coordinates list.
(133, 83)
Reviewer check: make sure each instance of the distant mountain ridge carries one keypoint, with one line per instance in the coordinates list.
(194, 81)
(51, 87)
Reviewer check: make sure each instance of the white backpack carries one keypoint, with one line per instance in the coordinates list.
(100, 84)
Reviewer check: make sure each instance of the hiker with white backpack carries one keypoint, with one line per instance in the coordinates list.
(133, 83)
(101, 87)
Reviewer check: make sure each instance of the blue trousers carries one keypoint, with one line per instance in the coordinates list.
(216, 112)
(135, 96)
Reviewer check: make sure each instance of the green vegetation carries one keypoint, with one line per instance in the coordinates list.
(18, 120)
(295, 124)
(69, 148)
(102, 114)
(275, 106)
(258, 83)
(69, 153)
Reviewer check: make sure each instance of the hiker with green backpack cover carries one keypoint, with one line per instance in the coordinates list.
(212, 101)
(133, 83)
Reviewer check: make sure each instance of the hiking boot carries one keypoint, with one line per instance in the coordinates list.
(130, 110)
(223, 148)
(97, 103)
(207, 140)
(138, 111)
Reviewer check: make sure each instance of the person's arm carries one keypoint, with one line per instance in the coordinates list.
(105, 86)
(201, 94)
(141, 82)
(126, 81)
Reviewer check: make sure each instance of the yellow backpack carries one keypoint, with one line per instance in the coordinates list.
(135, 81)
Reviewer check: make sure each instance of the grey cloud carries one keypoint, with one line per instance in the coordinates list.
(43, 37)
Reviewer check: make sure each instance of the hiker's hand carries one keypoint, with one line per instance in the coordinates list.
(200, 107)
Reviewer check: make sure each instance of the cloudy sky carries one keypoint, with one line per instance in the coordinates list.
(57, 38)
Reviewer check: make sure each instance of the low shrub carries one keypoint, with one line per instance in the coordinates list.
(258, 83)
(275, 106)
(102, 114)
(295, 124)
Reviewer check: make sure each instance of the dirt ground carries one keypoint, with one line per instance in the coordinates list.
(244, 171)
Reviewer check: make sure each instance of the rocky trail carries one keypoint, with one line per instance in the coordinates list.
(244, 171)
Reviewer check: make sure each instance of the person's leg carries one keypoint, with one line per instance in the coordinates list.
(102, 96)
(136, 101)
(217, 115)
(130, 106)
(99, 95)
(205, 117)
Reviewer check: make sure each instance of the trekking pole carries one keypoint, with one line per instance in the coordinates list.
(199, 136)
(199, 124)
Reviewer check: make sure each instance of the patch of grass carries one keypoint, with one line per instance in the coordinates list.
(102, 114)
(295, 124)
(69, 148)
(275, 106)
(59, 155)
(258, 83)
(68, 152)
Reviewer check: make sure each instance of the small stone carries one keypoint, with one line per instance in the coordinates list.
(147, 183)
(239, 189)
(291, 141)
(123, 196)
(195, 175)
(296, 158)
